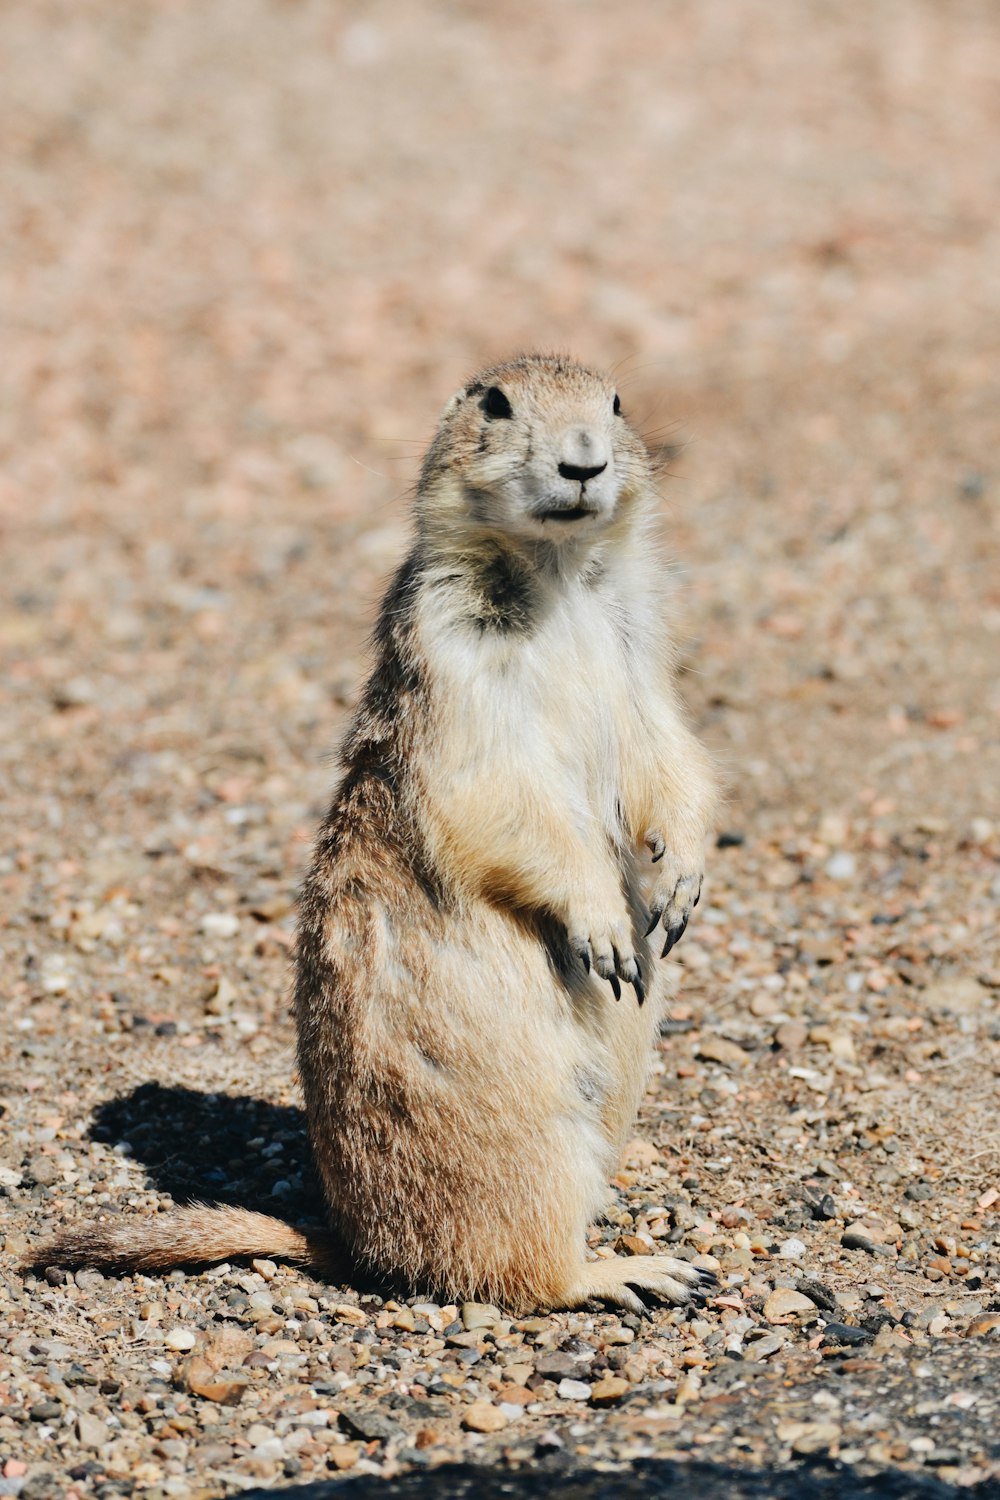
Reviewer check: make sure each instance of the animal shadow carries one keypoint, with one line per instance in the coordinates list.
(216, 1148)
(649, 1479)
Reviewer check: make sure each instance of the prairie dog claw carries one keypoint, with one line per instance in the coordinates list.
(606, 948)
(676, 893)
(656, 847)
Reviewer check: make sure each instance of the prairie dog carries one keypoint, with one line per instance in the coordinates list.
(521, 808)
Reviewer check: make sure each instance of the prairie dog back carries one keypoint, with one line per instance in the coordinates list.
(517, 837)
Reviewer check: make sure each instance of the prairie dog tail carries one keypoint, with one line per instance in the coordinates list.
(190, 1236)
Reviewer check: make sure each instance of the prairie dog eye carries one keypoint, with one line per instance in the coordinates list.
(616, 405)
(495, 403)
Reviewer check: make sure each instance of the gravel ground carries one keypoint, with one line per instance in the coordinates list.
(248, 249)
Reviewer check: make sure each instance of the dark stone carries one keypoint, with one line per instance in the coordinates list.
(424, 1411)
(671, 1027)
(45, 1411)
(878, 1320)
(40, 1487)
(371, 1425)
(817, 1292)
(844, 1333)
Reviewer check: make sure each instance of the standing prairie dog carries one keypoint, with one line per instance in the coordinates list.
(476, 995)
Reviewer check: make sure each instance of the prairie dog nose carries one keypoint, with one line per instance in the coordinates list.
(583, 454)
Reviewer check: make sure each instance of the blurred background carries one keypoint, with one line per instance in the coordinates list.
(249, 248)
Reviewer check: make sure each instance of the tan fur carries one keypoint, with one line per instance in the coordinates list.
(190, 1236)
(516, 761)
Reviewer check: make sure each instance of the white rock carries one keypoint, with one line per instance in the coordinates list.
(791, 1249)
(258, 1433)
(220, 924)
(319, 1418)
(842, 866)
(55, 979)
(180, 1338)
(573, 1390)
(270, 1450)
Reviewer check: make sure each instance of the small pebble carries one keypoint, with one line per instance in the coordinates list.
(853, 1239)
(180, 1338)
(609, 1390)
(845, 1333)
(91, 1430)
(719, 1050)
(784, 1302)
(480, 1315)
(791, 1036)
(483, 1416)
(763, 1348)
(573, 1390)
(220, 924)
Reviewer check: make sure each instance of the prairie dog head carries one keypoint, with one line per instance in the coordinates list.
(537, 449)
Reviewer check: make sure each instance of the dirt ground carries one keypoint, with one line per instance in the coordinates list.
(247, 250)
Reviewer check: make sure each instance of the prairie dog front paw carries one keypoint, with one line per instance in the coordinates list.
(604, 943)
(677, 889)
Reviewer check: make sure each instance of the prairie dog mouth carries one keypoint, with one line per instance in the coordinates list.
(566, 513)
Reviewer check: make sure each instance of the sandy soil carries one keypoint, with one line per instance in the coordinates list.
(248, 248)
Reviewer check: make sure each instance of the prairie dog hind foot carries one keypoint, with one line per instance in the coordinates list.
(619, 1282)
